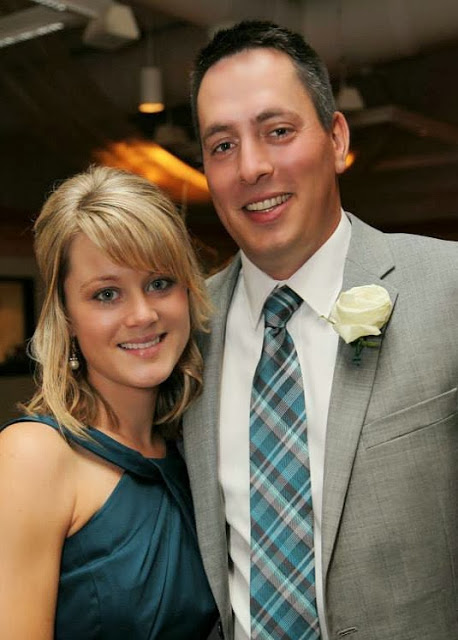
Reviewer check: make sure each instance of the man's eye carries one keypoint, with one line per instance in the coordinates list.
(280, 132)
(106, 295)
(160, 284)
(222, 147)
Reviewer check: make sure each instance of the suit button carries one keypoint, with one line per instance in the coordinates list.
(220, 630)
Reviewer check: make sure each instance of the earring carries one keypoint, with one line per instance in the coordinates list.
(73, 359)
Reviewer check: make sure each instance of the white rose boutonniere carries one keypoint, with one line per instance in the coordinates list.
(361, 312)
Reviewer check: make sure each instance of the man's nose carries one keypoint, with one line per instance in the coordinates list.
(254, 161)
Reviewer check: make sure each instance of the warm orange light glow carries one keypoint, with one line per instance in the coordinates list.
(349, 160)
(151, 107)
(182, 182)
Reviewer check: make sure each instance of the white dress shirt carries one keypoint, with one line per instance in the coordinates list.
(318, 282)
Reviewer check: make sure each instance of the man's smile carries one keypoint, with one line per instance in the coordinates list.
(268, 203)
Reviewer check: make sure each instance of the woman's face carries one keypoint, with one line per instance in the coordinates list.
(132, 326)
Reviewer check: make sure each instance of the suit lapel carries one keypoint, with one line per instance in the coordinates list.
(368, 261)
(201, 442)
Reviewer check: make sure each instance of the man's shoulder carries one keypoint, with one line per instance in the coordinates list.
(429, 258)
(423, 272)
(404, 240)
(408, 250)
(416, 243)
(225, 277)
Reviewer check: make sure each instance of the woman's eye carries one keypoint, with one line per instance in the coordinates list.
(106, 295)
(160, 284)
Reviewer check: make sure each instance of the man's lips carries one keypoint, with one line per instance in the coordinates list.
(142, 344)
(268, 203)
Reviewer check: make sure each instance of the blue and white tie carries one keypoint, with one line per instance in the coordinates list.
(282, 581)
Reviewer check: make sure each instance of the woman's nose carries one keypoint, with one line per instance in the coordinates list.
(141, 310)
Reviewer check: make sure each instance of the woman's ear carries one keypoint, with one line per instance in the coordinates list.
(341, 141)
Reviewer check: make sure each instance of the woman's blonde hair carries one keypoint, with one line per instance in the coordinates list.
(136, 225)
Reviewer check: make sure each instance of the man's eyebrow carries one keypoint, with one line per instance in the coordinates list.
(272, 113)
(215, 128)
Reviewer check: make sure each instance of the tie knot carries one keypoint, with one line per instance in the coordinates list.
(280, 306)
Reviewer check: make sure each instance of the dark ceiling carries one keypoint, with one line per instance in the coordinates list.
(62, 99)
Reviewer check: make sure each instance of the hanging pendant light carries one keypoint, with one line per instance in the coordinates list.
(151, 100)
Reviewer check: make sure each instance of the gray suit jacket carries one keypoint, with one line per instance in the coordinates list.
(390, 502)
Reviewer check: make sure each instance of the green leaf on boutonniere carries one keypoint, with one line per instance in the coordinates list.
(358, 346)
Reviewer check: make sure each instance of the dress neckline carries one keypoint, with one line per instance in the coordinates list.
(120, 454)
(104, 439)
(170, 470)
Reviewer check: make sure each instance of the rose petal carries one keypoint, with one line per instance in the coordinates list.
(361, 311)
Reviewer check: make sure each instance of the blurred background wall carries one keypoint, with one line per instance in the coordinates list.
(71, 83)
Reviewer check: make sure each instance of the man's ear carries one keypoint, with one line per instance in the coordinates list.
(341, 140)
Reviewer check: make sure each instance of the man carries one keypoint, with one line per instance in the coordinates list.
(381, 434)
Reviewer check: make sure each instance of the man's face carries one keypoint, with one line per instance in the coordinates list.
(270, 165)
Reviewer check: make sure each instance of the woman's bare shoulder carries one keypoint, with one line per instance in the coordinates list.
(37, 469)
(34, 443)
(37, 498)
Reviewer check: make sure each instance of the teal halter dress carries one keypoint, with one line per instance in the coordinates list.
(133, 571)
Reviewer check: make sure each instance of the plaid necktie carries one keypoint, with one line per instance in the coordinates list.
(282, 581)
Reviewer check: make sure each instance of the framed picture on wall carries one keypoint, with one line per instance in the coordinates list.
(17, 322)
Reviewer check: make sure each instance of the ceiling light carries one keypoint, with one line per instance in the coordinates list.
(349, 99)
(350, 159)
(109, 25)
(151, 100)
(112, 28)
(29, 34)
(159, 166)
(52, 4)
(87, 8)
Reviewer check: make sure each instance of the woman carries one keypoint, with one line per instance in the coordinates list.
(97, 537)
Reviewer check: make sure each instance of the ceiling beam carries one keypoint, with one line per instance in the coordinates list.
(414, 122)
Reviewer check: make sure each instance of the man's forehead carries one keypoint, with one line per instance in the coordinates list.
(253, 71)
(226, 100)
(263, 56)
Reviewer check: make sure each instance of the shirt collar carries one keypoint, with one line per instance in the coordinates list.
(318, 281)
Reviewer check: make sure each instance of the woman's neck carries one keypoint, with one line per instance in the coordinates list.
(134, 410)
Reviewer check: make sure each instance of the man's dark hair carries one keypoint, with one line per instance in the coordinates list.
(252, 34)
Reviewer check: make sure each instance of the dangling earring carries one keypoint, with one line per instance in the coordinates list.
(73, 359)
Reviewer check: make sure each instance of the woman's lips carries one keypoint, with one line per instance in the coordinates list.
(146, 344)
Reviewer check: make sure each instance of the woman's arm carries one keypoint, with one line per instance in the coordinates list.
(36, 506)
